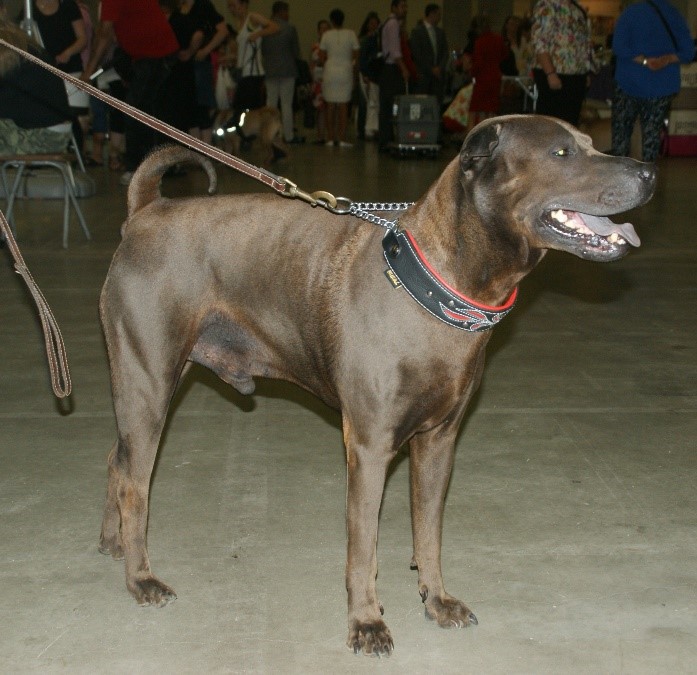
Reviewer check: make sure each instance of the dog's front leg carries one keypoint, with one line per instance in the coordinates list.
(430, 463)
(367, 469)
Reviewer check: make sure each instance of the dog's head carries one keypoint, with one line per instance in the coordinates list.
(558, 190)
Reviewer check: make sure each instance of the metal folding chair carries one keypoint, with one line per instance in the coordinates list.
(59, 161)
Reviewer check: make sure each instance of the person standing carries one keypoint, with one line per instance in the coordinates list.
(143, 32)
(395, 73)
(562, 43)
(339, 50)
(369, 99)
(204, 17)
(429, 49)
(650, 41)
(249, 94)
(181, 91)
(489, 51)
(317, 72)
(280, 53)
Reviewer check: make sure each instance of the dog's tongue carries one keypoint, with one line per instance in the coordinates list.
(605, 227)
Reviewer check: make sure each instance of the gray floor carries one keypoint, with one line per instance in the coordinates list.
(570, 522)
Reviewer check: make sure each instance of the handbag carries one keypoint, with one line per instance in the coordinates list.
(457, 113)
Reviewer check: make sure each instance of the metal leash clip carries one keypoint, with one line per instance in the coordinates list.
(319, 198)
(337, 205)
(341, 206)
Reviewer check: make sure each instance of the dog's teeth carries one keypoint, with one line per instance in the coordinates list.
(560, 216)
(613, 238)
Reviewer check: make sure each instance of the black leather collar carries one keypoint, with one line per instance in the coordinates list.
(410, 269)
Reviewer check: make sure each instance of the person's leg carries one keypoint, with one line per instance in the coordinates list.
(273, 91)
(322, 123)
(565, 103)
(652, 115)
(117, 126)
(575, 88)
(362, 107)
(100, 127)
(287, 92)
(16, 140)
(145, 93)
(331, 122)
(342, 121)
(624, 114)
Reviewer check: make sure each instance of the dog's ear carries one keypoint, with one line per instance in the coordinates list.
(479, 144)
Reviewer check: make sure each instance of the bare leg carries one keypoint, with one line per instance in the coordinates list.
(342, 121)
(331, 122)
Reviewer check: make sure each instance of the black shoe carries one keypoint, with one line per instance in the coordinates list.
(296, 140)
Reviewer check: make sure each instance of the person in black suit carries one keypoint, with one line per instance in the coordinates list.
(429, 50)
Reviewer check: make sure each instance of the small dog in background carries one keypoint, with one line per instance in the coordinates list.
(262, 124)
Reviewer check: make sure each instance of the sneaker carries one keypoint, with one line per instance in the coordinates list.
(126, 178)
(345, 144)
(329, 143)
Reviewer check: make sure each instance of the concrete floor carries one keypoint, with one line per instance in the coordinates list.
(570, 522)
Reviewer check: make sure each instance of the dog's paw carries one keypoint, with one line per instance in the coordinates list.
(449, 612)
(373, 638)
(111, 546)
(151, 591)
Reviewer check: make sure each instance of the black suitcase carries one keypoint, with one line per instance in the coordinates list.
(416, 120)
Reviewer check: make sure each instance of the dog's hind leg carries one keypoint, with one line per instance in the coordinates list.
(110, 538)
(430, 464)
(145, 370)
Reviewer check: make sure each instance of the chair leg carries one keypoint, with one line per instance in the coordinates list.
(71, 191)
(66, 209)
(12, 194)
(6, 190)
(78, 153)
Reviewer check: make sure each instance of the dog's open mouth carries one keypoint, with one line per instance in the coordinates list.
(597, 232)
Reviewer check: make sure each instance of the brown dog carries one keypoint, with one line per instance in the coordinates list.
(262, 124)
(240, 285)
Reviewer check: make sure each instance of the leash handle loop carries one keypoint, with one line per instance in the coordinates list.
(53, 340)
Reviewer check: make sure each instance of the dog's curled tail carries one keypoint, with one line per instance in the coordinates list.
(145, 183)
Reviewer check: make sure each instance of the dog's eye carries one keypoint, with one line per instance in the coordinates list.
(563, 152)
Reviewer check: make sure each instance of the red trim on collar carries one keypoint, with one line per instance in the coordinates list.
(507, 305)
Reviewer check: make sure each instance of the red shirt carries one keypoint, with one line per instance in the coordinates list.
(141, 28)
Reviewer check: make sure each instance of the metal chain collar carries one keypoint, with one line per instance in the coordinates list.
(364, 210)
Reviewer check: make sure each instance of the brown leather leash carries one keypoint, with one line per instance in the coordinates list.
(55, 347)
(283, 186)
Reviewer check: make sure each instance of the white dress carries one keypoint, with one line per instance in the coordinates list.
(337, 77)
